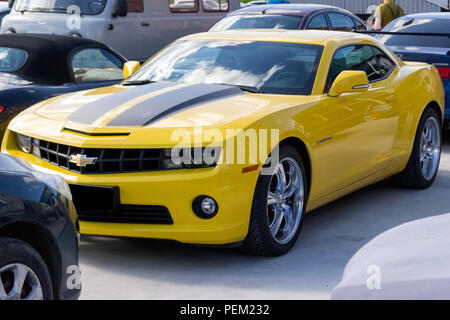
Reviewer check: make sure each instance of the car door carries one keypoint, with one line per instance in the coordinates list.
(94, 67)
(358, 131)
(131, 34)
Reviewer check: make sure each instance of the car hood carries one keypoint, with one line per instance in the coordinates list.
(129, 115)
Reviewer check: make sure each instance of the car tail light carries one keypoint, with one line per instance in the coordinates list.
(2, 108)
(444, 72)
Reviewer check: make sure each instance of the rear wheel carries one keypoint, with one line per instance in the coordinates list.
(278, 207)
(23, 272)
(423, 164)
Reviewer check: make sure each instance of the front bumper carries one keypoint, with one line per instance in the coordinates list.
(176, 190)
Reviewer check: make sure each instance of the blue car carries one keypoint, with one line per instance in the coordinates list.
(425, 38)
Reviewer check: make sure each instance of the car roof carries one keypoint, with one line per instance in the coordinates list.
(291, 9)
(47, 54)
(316, 37)
(428, 15)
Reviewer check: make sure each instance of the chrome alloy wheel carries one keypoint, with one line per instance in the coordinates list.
(285, 200)
(430, 148)
(19, 282)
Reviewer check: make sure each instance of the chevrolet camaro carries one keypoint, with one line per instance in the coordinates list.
(229, 138)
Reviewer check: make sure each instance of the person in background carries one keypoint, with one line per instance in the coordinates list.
(386, 12)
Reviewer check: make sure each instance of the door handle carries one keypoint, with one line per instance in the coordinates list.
(145, 24)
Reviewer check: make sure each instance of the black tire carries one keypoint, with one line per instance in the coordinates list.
(259, 240)
(412, 176)
(17, 251)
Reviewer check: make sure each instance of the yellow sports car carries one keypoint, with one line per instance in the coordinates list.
(229, 138)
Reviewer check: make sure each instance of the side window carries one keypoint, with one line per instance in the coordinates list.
(341, 22)
(183, 5)
(135, 5)
(96, 64)
(359, 25)
(215, 5)
(356, 57)
(385, 64)
(318, 22)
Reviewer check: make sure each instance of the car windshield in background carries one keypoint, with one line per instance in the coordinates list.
(258, 22)
(12, 59)
(409, 25)
(267, 67)
(88, 7)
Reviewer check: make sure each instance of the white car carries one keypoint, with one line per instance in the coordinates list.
(411, 261)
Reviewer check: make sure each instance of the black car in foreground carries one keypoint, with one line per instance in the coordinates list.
(291, 17)
(35, 67)
(38, 235)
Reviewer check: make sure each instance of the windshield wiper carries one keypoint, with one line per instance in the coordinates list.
(137, 82)
(250, 89)
(243, 88)
(43, 9)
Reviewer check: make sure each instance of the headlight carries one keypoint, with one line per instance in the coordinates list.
(190, 158)
(24, 143)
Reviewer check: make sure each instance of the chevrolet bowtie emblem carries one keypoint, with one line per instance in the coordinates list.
(82, 160)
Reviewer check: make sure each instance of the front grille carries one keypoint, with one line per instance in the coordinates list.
(108, 160)
(128, 214)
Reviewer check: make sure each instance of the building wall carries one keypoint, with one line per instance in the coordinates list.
(360, 6)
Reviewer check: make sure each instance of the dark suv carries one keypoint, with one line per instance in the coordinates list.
(38, 235)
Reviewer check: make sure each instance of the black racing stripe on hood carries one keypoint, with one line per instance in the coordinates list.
(162, 105)
(90, 112)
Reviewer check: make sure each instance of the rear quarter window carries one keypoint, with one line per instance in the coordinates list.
(12, 59)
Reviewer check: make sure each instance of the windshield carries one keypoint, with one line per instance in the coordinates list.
(12, 59)
(417, 26)
(269, 67)
(88, 7)
(258, 22)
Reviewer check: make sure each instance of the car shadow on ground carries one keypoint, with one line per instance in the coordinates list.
(331, 235)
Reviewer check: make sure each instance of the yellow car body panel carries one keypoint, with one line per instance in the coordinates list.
(351, 141)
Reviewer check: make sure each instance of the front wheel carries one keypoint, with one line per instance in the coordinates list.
(23, 272)
(423, 164)
(278, 207)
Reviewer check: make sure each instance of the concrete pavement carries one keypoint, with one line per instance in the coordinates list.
(115, 268)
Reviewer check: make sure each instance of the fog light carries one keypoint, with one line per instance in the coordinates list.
(205, 207)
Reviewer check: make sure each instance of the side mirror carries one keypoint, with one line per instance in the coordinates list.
(129, 68)
(348, 82)
(121, 8)
(11, 3)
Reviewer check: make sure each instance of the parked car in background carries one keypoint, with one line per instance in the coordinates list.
(253, 3)
(423, 37)
(38, 235)
(339, 102)
(408, 262)
(291, 16)
(135, 28)
(38, 67)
